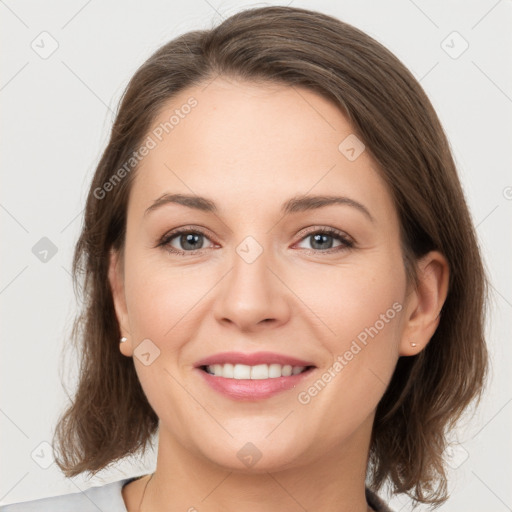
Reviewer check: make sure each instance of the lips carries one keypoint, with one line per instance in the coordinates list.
(254, 359)
(244, 384)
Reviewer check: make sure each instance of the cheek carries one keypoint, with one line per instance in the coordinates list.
(362, 308)
(161, 296)
(352, 298)
(363, 352)
(164, 298)
(367, 320)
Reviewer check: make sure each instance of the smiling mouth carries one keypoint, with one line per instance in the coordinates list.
(256, 372)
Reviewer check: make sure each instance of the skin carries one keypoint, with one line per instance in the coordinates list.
(249, 148)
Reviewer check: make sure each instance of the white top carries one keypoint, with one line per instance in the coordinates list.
(105, 497)
(108, 498)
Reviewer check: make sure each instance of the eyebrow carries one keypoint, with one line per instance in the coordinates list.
(293, 205)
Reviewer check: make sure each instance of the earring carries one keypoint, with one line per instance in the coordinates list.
(413, 344)
(123, 339)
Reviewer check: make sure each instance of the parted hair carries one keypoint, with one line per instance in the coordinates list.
(109, 416)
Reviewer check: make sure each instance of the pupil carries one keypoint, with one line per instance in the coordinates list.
(190, 239)
(320, 238)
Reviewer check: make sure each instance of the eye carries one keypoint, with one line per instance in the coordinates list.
(184, 240)
(323, 240)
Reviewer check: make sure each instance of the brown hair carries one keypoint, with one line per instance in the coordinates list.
(110, 416)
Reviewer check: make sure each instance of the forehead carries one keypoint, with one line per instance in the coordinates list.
(261, 142)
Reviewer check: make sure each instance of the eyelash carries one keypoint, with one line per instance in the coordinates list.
(345, 241)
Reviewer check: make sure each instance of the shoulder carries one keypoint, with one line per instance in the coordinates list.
(103, 497)
(376, 502)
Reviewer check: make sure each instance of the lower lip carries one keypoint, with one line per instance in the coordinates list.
(249, 389)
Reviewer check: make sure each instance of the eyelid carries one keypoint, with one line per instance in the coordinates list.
(346, 240)
(326, 229)
(165, 239)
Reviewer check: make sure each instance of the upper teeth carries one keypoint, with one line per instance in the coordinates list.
(259, 371)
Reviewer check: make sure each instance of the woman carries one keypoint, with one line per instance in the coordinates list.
(281, 278)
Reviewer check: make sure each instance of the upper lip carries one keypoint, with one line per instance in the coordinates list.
(252, 359)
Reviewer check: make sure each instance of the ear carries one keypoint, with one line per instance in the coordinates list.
(423, 308)
(116, 280)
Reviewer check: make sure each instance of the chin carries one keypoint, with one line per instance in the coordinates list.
(253, 454)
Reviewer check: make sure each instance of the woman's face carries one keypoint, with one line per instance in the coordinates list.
(252, 273)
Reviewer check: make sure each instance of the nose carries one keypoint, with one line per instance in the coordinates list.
(252, 296)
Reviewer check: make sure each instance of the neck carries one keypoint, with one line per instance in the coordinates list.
(184, 481)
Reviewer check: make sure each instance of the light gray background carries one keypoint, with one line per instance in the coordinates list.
(56, 114)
